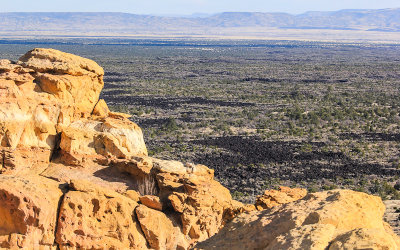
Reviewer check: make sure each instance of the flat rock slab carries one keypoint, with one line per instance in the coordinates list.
(104, 176)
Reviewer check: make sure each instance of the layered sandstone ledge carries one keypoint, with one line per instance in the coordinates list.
(75, 175)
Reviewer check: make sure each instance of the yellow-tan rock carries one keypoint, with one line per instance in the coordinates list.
(51, 60)
(28, 212)
(98, 174)
(44, 90)
(272, 198)
(201, 202)
(19, 161)
(49, 92)
(159, 229)
(101, 109)
(106, 137)
(151, 201)
(364, 238)
(95, 218)
(315, 222)
(26, 119)
(132, 194)
(140, 168)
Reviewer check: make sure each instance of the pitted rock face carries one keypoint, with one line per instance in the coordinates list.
(28, 211)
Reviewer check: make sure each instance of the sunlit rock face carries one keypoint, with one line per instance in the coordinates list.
(50, 101)
(75, 175)
(337, 219)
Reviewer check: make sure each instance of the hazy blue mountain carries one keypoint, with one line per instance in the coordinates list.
(380, 20)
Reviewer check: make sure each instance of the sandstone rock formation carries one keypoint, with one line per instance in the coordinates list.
(28, 211)
(92, 217)
(75, 175)
(272, 198)
(48, 94)
(338, 219)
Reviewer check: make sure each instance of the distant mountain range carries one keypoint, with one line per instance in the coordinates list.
(387, 20)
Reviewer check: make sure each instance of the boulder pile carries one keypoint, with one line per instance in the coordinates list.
(73, 175)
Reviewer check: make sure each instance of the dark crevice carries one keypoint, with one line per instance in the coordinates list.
(64, 189)
(3, 161)
(57, 140)
(91, 113)
(56, 150)
(38, 88)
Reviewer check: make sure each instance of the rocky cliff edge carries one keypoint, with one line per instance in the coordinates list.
(76, 175)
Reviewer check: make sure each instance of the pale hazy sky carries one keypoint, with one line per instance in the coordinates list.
(191, 6)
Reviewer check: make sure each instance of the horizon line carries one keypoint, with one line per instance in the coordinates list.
(195, 13)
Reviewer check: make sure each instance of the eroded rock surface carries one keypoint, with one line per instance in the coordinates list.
(338, 219)
(50, 94)
(272, 198)
(28, 211)
(92, 217)
(75, 175)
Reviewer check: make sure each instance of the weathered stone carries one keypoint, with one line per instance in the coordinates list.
(66, 89)
(28, 212)
(19, 161)
(202, 202)
(151, 201)
(101, 109)
(104, 176)
(364, 238)
(86, 139)
(132, 194)
(95, 218)
(159, 230)
(140, 169)
(55, 61)
(26, 119)
(314, 222)
(76, 82)
(136, 166)
(272, 198)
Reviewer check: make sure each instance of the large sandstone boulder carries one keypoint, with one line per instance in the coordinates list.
(49, 99)
(75, 81)
(159, 230)
(104, 137)
(338, 219)
(44, 88)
